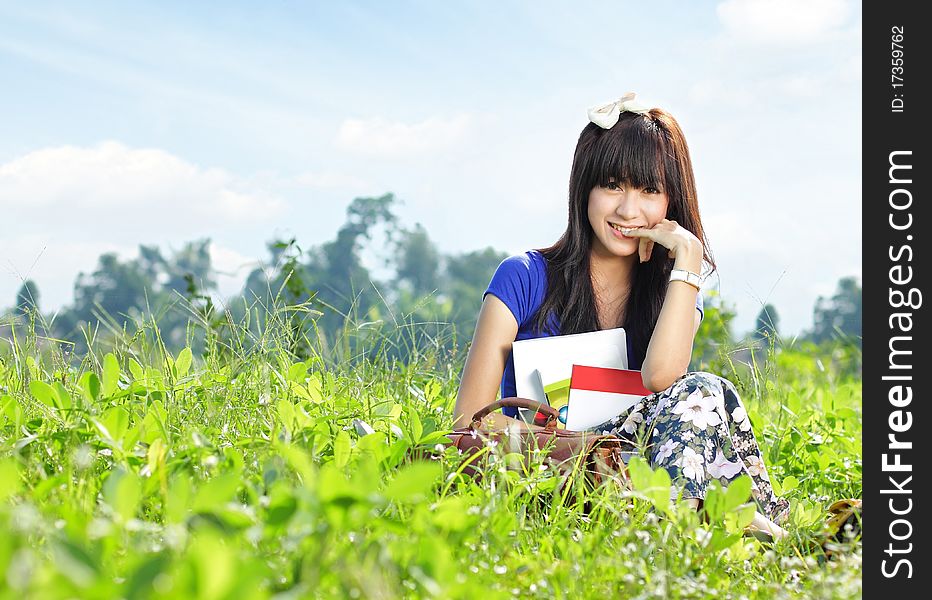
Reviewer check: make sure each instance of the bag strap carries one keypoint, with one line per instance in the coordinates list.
(552, 414)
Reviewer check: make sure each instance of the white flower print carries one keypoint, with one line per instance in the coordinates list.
(666, 450)
(692, 464)
(719, 401)
(741, 418)
(687, 435)
(631, 423)
(722, 467)
(698, 409)
(756, 467)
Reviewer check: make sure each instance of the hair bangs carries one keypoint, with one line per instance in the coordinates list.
(632, 152)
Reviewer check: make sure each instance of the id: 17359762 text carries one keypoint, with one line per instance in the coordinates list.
(897, 53)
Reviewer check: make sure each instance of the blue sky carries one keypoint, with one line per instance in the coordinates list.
(133, 123)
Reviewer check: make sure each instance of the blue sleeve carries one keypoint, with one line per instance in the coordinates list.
(699, 306)
(514, 283)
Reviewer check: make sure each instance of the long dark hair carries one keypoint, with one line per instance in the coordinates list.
(643, 150)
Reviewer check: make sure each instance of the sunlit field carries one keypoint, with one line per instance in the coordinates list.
(236, 471)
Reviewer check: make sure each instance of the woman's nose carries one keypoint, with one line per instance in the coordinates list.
(627, 204)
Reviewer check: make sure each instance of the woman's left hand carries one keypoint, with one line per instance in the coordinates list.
(671, 235)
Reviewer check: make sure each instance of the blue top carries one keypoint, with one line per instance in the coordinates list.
(520, 282)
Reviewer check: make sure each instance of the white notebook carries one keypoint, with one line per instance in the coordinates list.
(553, 357)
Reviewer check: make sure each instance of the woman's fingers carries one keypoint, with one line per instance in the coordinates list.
(645, 247)
(667, 233)
(663, 233)
(645, 242)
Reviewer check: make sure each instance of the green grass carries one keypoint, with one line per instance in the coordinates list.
(132, 472)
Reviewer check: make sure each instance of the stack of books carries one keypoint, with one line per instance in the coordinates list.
(583, 376)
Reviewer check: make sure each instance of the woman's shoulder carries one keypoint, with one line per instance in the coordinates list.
(531, 261)
(528, 267)
(520, 282)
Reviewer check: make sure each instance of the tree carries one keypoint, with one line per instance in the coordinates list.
(191, 262)
(418, 261)
(840, 314)
(150, 284)
(27, 299)
(473, 270)
(768, 323)
(334, 270)
(466, 277)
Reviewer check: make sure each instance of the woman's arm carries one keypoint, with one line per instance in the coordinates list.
(671, 344)
(496, 329)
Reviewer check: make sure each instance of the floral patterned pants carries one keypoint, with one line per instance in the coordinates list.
(698, 430)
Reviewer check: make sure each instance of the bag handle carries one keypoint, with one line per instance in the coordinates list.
(552, 414)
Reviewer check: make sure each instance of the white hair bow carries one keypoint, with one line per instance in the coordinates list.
(606, 116)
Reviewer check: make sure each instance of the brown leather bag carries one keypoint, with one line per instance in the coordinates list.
(585, 456)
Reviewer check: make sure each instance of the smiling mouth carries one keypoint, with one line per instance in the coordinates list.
(624, 230)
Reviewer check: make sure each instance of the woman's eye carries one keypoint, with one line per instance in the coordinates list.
(611, 185)
(651, 190)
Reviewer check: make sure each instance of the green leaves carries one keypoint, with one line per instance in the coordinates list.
(123, 491)
(111, 375)
(10, 480)
(54, 395)
(304, 386)
(341, 449)
(453, 514)
(90, 386)
(11, 410)
(781, 488)
(737, 493)
(183, 362)
(43, 392)
(297, 372)
(245, 478)
(413, 482)
(113, 424)
(415, 428)
(654, 485)
(75, 562)
(728, 512)
(719, 502)
(216, 492)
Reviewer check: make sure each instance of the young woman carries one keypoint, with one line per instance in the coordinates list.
(630, 257)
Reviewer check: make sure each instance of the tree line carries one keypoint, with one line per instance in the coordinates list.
(328, 298)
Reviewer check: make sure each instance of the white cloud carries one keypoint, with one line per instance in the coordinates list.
(86, 185)
(782, 21)
(381, 137)
(65, 206)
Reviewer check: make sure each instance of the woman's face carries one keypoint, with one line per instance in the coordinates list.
(623, 205)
